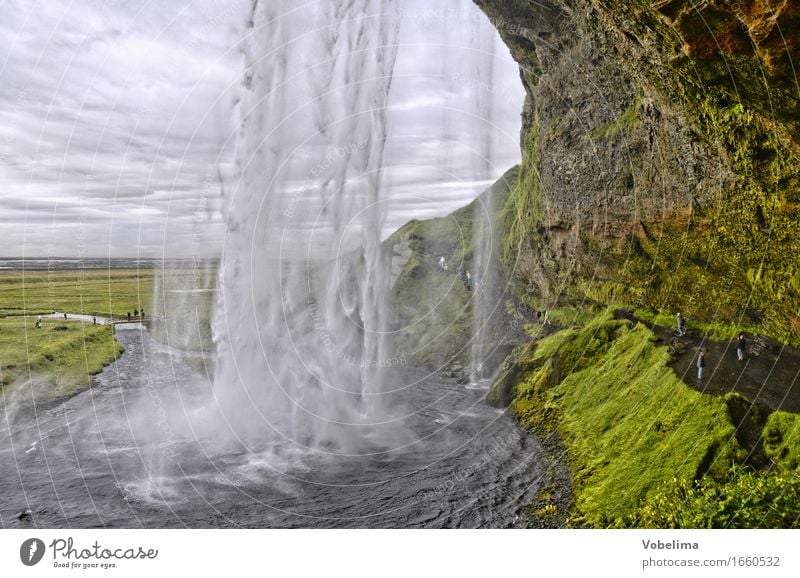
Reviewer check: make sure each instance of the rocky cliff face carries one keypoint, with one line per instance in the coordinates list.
(660, 155)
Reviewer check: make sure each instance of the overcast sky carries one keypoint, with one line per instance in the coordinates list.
(117, 120)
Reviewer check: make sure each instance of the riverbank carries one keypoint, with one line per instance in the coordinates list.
(60, 359)
(55, 361)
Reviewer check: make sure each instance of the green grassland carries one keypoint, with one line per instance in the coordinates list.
(104, 292)
(431, 308)
(61, 357)
(63, 354)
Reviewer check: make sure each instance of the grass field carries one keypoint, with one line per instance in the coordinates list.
(65, 354)
(104, 292)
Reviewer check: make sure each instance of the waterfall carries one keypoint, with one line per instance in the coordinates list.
(484, 251)
(300, 317)
(485, 283)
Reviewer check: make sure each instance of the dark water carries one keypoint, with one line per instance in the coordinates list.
(119, 455)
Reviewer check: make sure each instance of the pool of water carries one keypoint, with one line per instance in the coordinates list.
(128, 453)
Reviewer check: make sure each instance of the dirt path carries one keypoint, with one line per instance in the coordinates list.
(769, 375)
(75, 317)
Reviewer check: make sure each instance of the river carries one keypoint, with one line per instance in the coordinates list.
(94, 460)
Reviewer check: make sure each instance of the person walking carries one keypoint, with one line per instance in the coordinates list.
(701, 364)
(741, 347)
(129, 315)
(142, 314)
(65, 315)
(94, 320)
(38, 323)
(681, 325)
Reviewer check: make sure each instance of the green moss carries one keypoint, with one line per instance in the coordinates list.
(782, 439)
(743, 246)
(628, 421)
(523, 210)
(732, 254)
(715, 329)
(570, 316)
(745, 499)
(626, 121)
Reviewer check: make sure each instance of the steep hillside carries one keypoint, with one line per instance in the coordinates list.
(432, 305)
(661, 158)
(660, 173)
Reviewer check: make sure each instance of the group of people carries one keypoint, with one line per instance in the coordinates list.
(136, 313)
(463, 273)
(741, 347)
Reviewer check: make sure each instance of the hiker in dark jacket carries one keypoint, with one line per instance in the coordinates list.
(681, 325)
(741, 347)
(701, 364)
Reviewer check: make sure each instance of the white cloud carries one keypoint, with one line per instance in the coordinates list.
(116, 119)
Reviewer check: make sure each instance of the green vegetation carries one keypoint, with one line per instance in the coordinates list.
(452, 235)
(731, 254)
(103, 292)
(626, 121)
(782, 439)
(742, 247)
(629, 423)
(64, 354)
(744, 499)
(61, 357)
(715, 329)
(645, 449)
(431, 308)
(522, 212)
(433, 312)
